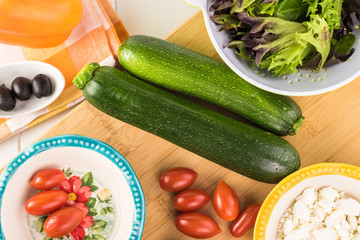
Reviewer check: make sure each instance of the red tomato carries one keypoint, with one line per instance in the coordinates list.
(190, 200)
(47, 179)
(226, 202)
(63, 221)
(177, 179)
(197, 225)
(245, 221)
(46, 202)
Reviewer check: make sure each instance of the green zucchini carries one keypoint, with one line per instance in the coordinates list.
(180, 69)
(233, 144)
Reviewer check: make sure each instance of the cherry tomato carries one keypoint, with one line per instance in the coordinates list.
(190, 200)
(197, 225)
(47, 179)
(226, 202)
(177, 179)
(245, 221)
(46, 202)
(63, 221)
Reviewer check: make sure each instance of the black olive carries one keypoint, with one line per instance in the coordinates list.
(41, 86)
(7, 99)
(21, 87)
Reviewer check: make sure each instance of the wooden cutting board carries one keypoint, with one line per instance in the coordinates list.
(330, 134)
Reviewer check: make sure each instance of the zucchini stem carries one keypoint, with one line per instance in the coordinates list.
(85, 75)
(296, 126)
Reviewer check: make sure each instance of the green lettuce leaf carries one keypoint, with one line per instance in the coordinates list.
(286, 59)
(318, 35)
(228, 21)
(292, 10)
(330, 10)
(262, 8)
(313, 6)
(239, 49)
(286, 34)
(242, 6)
(280, 45)
(340, 51)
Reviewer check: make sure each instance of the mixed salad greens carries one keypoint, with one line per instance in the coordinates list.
(286, 34)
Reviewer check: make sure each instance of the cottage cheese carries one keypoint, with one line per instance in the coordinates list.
(324, 214)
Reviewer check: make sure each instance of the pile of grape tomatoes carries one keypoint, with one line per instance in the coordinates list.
(62, 220)
(188, 201)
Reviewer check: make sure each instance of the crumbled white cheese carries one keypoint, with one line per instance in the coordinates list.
(298, 234)
(353, 223)
(327, 205)
(325, 214)
(334, 219)
(350, 206)
(309, 196)
(325, 234)
(328, 193)
(288, 226)
(301, 211)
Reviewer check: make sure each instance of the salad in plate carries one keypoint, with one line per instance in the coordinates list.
(283, 35)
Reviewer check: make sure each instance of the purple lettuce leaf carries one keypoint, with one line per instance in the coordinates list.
(268, 34)
(220, 7)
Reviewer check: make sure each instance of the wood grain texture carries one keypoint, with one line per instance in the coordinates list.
(329, 134)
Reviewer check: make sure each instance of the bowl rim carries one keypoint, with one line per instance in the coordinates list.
(293, 179)
(202, 5)
(73, 140)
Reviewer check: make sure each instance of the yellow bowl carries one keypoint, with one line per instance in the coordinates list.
(342, 177)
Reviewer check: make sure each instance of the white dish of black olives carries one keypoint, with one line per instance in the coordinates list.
(28, 86)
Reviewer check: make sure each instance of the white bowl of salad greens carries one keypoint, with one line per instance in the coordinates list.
(289, 47)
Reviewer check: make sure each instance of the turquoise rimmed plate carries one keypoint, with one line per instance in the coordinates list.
(109, 190)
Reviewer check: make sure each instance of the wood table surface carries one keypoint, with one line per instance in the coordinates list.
(329, 134)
